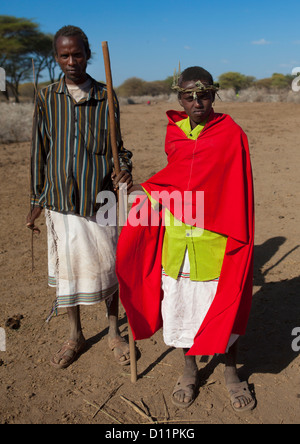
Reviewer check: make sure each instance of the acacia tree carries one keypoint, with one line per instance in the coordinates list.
(21, 41)
(138, 87)
(43, 57)
(235, 80)
(16, 35)
(18, 69)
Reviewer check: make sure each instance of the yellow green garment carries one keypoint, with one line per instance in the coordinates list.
(206, 249)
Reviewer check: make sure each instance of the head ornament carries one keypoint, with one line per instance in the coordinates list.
(199, 86)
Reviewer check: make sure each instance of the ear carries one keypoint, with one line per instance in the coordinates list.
(180, 101)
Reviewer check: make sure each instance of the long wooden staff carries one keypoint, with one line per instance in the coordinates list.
(30, 191)
(113, 138)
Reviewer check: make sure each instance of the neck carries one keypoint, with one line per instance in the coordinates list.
(77, 82)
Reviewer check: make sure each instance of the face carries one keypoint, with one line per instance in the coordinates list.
(198, 109)
(72, 59)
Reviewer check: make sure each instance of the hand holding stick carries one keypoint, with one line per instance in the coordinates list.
(31, 217)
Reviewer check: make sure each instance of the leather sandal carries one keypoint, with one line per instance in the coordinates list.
(75, 347)
(240, 390)
(117, 343)
(187, 385)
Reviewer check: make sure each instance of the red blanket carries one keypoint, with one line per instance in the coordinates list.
(217, 163)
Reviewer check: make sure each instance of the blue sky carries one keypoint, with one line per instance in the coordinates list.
(147, 39)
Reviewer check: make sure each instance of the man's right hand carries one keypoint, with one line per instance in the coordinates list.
(31, 217)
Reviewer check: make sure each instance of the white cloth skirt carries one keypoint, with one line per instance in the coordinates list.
(184, 307)
(81, 259)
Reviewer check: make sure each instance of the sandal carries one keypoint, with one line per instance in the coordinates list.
(240, 390)
(76, 347)
(188, 385)
(117, 343)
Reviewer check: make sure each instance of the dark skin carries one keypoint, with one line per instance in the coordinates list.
(198, 109)
(72, 58)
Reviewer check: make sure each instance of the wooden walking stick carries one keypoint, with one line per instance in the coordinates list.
(113, 138)
(35, 89)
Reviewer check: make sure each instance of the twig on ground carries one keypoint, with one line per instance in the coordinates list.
(99, 408)
(138, 410)
(167, 416)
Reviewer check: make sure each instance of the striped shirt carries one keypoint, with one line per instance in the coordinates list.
(71, 158)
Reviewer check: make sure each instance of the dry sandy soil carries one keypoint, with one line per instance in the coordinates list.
(31, 391)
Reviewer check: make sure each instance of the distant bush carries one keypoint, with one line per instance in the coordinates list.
(239, 82)
(235, 81)
(138, 87)
(16, 119)
(16, 122)
(26, 92)
(261, 94)
(277, 81)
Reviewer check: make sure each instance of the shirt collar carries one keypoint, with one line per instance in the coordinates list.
(97, 91)
(185, 125)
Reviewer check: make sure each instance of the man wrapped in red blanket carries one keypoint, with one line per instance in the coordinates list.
(194, 278)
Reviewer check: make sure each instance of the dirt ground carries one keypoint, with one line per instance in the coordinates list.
(32, 392)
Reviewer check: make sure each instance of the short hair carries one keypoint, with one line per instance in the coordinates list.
(72, 31)
(195, 73)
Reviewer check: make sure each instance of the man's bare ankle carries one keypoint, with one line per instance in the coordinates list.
(231, 375)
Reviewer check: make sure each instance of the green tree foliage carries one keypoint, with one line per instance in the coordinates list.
(235, 80)
(264, 83)
(277, 81)
(15, 34)
(43, 57)
(229, 80)
(138, 87)
(281, 81)
(21, 41)
(131, 87)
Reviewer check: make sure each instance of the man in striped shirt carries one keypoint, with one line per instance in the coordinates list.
(71, 163)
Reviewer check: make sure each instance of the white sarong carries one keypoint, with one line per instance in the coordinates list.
(81, 259)
(184, 307)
